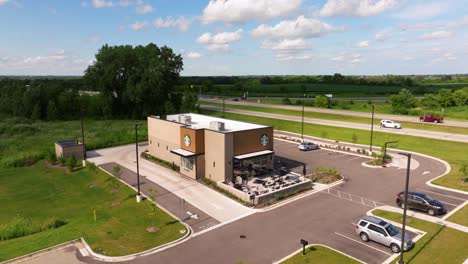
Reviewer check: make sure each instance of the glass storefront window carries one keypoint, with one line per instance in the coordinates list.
(187, 163)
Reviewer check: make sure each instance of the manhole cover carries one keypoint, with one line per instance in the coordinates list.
(243, 236)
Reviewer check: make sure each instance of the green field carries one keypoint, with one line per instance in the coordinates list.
(344, 118)
(320, 254)
(453, 152)
(24, 142)
(38, 193)
(440, 245)
(454, 112)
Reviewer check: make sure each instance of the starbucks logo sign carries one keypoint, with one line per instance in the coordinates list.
(187, 140)
(264, 140)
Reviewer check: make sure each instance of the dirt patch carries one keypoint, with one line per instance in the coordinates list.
(152, 229)
(115, 190)
(91, 186)
(115, 203)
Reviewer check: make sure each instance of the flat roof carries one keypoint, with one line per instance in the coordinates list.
(68, 143)
(203, 122)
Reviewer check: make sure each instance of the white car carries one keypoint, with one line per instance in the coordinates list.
(390, 124)
(307, 146)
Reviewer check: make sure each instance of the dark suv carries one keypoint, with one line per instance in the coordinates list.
(422, 202)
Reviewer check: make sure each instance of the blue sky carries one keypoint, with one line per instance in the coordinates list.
(241, 37)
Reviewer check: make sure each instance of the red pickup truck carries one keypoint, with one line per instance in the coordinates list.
(431, 118)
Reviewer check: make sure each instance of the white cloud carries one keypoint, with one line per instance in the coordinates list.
(93, 39)
(242, 11)
(181, 23)
(437, 35)
(219, 41)
(53, 11)
(144, 9)
(347, 58)
(2, 2)
(291, 57)
(194, 55)
(52, 64)
(139, 25)
(408, 58)
(286, 45)
(423, 11)
(108, 3)
(358, 8)
(302, 27)
(362, 44)
(338, 58)
(383, 35)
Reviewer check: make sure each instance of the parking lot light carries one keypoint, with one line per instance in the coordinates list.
(384, 158)
(372, 128)
(302, 134)
(406, 203)
(138, 197)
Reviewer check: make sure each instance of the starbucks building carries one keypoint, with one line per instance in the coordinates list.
(215, 148)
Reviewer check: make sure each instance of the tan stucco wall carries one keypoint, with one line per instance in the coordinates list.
(218, 155)
(167, 135)
(249, 141)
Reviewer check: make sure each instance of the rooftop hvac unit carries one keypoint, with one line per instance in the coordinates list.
(216, 125)
(185, 119)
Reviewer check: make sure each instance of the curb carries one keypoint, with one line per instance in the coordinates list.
(321, 245)
(100, 257)
(41, 252)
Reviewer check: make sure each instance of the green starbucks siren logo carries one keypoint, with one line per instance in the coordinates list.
(187, 140)
(264, 140)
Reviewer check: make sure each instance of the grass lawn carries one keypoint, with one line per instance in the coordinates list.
(345, 118)
(38, 192)
(319, 254)
(440, 245)
(460, 217)
(24, 142)
(453, 152)
(454, 112)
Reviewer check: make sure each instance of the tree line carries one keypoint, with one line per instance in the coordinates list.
(130, 81)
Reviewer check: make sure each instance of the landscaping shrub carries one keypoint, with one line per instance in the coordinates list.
(212, 184)
(325, 175)
(161, 162)
(20, 226)
(71, 163)
(51, 157)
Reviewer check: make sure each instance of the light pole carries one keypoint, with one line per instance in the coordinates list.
(372, 129)
(384, 158)
(302, 134)
(82, 138)
(406, 203)
(223, 107)
(138, 197)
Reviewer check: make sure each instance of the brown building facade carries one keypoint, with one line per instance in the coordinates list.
(215, 148)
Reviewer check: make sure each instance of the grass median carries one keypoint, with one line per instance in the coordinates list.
(440, 245)
(37, 193)
(452, 152)
(320, 254)
(344, 118)
(460, 217)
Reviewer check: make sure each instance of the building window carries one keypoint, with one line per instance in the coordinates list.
(214, 164)
(187, 163)
(150, 142)
(167, 148)
(158, 144)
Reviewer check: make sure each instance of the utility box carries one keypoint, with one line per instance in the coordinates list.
(68, 148)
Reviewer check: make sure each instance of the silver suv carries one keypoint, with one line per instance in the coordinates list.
(376, 229)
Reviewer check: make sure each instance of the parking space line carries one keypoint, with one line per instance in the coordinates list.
(444, 202)
(386, 253)
(449, 196)
(355, 158)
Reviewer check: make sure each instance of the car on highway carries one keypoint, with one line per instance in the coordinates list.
(431, 118)
(382, 232)
(422, 202)
(390, 124)
(235, 99)
(307, 146)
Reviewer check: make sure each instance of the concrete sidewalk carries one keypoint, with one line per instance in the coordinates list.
(214, 204)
